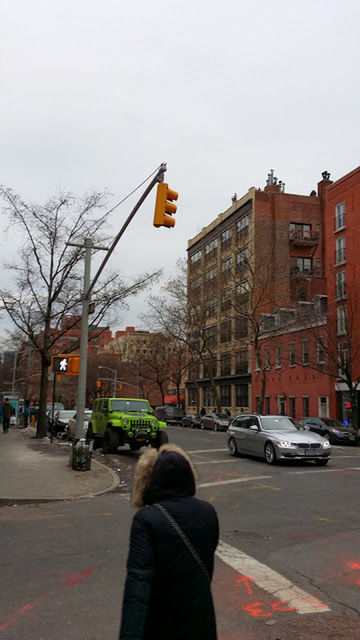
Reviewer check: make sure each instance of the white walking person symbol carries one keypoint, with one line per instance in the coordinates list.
(63, 364)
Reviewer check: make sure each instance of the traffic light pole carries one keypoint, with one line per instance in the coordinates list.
(88, 244)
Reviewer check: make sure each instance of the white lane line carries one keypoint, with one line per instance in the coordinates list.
(305, 472)
(215, 461)
(206, 450)
(219, 483)
(354, 455)
(274, 583)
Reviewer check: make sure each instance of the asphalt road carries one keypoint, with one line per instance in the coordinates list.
(288, 565)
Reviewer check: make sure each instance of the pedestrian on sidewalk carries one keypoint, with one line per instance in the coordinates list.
(8, 411)
(171, 557)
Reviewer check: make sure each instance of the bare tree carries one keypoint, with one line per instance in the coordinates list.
(48, 274)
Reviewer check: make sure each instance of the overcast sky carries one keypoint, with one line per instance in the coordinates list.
(96, 94)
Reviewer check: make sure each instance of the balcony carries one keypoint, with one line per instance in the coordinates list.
(304, 238)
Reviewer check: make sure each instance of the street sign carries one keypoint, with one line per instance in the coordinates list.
(65, 364)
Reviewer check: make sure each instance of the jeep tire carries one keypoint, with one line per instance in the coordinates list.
(111, 441)
(161, 438)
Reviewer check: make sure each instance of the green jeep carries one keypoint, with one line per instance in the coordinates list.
(119, 421)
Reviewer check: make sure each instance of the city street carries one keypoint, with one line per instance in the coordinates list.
(288, 564)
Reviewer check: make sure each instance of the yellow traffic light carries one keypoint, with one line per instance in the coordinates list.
(164, 206)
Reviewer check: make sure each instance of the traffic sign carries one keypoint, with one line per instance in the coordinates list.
(65, 364)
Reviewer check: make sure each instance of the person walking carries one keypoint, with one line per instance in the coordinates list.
(8, 411)
(171, 557)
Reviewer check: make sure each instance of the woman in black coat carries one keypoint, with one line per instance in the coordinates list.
(167, 592)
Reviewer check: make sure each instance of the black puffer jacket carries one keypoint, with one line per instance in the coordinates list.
(167, 595)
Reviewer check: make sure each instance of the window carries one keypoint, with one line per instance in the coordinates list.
(278, 356)
(242, 362)
(210, 308)
(301, 265)
(242, 395)
(226, 300)
(196, 283)
(340, 285)
(343, 357)
(267, 404)
(225, 395)
(323, 406)
(241, 258)
(300, 231)
(209, 397)
(194, 371)
(339, 216)
(243, 288)
(226, 266)
(210, 368)
(241, 327)
(320, 351)
(210, 337)
(306, 406)
(292, 406)
(226, 364)
(210, 248)
(281, 402)
(341, 320)
(340, 253)
(242, 225)
(267, 355)
(225, 331)
(226, 238)
(317, 265)
(305, 351)
(291, 354)
(195, 257)
(211, 274)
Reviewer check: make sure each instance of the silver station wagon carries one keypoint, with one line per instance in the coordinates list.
(276, 438)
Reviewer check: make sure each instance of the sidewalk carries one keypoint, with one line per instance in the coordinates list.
(27, 474)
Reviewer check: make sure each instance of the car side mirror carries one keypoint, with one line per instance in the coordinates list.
(253, 427)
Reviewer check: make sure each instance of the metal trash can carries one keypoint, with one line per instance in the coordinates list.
(81, 452)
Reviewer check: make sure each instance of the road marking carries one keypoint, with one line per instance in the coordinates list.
(214, 462)
(206, 450)
(265, 486)
(354, 455)
(305, 472)
(271, 581)
(222, 482)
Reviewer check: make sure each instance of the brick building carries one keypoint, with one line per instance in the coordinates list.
(69, 336)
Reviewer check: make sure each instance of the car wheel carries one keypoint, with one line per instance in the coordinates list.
(135, 446)
(161, 438)
(321, 463)
(232, 447)
(111, 441)
(270, 455)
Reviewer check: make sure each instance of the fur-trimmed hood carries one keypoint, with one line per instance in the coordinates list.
(164, 473)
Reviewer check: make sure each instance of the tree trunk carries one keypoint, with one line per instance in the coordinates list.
(262, 391)
(42, 426)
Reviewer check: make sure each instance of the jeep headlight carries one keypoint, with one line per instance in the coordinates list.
(153, 423)
(126, 421)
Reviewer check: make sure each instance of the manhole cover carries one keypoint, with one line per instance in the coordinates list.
(319, 627)
(245, 536)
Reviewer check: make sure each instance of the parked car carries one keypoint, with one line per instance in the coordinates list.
(216, 421)
(170, 414)
(192, 420)
(61, 419)
(276, 438)
(332, 429)
(72, 424)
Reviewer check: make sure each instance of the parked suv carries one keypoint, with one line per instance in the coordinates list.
(119, 421)
(170, 414)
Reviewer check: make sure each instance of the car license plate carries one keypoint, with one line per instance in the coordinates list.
(312, 452)
(352, 437)
(140, 439)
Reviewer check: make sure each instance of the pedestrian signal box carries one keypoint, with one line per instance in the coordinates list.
(65, 364)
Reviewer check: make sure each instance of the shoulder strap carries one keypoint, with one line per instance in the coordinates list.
(183, 537)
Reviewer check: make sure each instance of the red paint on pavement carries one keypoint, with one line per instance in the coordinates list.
(277, 606)
(78, 577)
(255, 610)
(354, 565)
(21, 612)
(246, 580)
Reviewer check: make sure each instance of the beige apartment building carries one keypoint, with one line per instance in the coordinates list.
(264, 251)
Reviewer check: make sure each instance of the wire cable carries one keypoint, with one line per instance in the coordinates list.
(133, 191)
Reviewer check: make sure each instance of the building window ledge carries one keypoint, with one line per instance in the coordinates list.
(338, 264)
(340, 228)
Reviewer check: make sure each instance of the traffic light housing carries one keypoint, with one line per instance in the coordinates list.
(65, 364)
(164, 206)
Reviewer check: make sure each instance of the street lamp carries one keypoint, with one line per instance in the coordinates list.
(115, 376)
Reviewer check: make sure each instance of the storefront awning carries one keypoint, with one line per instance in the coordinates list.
(173, 399)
